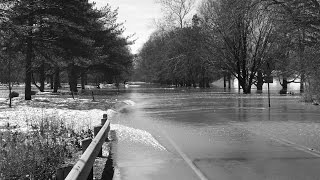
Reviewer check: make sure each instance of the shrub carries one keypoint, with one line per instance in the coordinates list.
(13, 94)
(37, 153)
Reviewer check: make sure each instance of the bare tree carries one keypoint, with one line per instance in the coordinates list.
(176, 11)
(241, 34)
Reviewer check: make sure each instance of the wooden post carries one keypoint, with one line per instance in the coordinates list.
(92, 95)
(269, 95)
(85, 145)
(96, 130)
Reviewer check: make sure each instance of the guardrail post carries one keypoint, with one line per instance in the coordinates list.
(96, 130)
(107, 138)
(103, 121)
(83, 169)
(85, 145)
(63, 172)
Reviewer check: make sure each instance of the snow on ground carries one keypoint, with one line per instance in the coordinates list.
(77, 119)
(125, 133)
(77, 114)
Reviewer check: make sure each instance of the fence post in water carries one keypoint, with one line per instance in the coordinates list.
(96, 130)
(85, 145)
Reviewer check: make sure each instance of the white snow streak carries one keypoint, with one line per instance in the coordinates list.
(125, 133)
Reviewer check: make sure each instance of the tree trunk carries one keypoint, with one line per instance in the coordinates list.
(56, 84)
(247, 90)
(72, 75)
(29, 56)
(229, 81)
(260, 82)
(188, 84)
(42, 76)
(246, 87)
(202, 82)
(224, 82)
(194, 85)
(302, 64)
(28, 67)
(302, 83)
(10, 88)
(51, 81)
(207, 83)
(284, 85)
(83, 80)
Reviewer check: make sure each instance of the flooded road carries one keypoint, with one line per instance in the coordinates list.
(167, 133)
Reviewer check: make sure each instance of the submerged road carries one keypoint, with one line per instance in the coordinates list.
(178, 134)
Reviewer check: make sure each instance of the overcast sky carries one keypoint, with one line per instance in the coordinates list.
(137, 16)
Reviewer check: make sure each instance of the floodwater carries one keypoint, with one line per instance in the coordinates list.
(173, 133)
(176, 133)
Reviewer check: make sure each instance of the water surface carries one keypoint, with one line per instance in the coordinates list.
(224, 134)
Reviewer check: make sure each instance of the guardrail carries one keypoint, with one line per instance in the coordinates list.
(92, 148)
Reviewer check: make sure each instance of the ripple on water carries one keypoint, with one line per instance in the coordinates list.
(129, 102)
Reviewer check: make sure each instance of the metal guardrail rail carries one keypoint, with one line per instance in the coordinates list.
(83, 168)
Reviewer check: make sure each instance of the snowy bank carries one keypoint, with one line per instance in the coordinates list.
(76, 114)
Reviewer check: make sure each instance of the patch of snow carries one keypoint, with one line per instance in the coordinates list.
(75, 119)
(44, 93)
(41, 99)
(133, 85)
(111, 113)
(106, 85)
(136, 135)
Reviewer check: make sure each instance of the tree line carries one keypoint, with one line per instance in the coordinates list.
(248, 39)
(42, 39)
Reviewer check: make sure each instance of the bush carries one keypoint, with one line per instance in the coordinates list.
(13, 94)
(36, 154)
(307, 97)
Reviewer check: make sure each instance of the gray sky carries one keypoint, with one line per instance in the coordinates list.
(137, 16)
